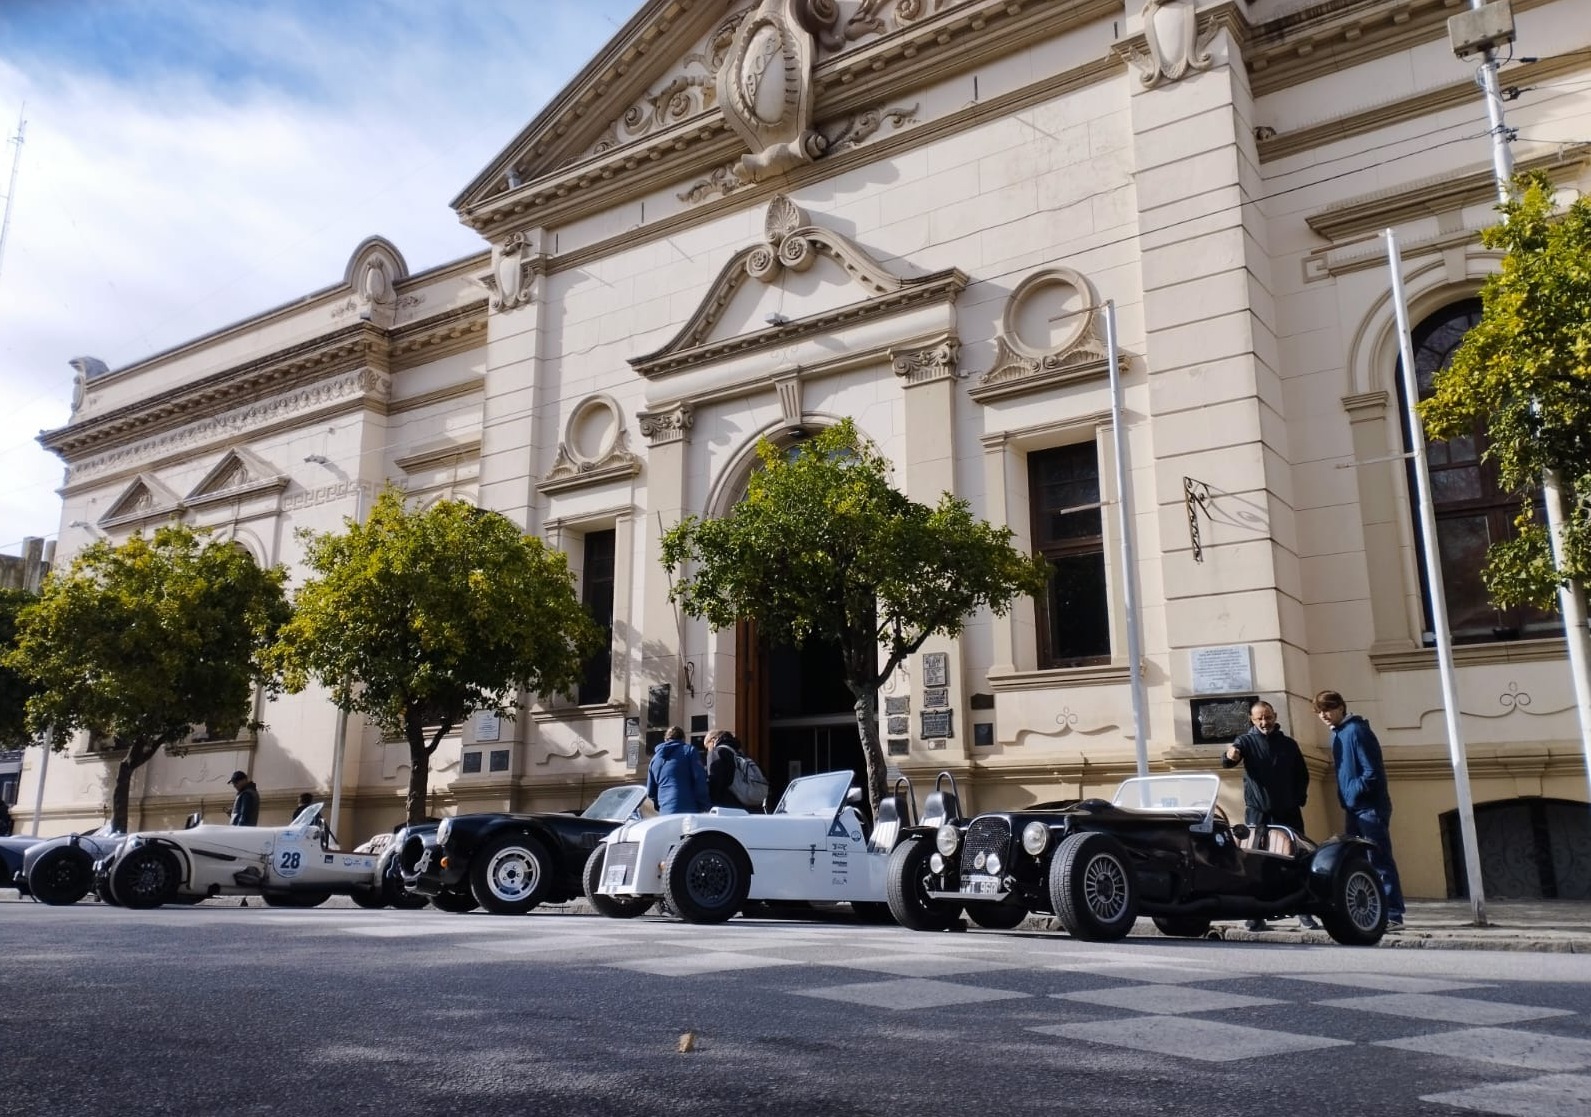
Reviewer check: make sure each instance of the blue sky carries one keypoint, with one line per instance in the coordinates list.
(191, 162)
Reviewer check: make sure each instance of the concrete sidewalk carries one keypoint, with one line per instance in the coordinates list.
(1555, 926)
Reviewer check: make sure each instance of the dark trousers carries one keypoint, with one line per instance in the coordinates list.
(1293, 819)
(1372, 825)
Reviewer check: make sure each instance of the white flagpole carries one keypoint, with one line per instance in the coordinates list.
(1129, 572)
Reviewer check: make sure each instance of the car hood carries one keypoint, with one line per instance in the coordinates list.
(239, 839)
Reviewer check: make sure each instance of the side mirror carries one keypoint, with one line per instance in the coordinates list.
(853, 797)
(193, 820)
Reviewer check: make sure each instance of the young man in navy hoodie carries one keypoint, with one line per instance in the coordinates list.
(1362, 789)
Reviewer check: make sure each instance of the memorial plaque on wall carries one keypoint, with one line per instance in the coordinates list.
(936, 669)
(897, 726)
(936, 696)
(936, 723)
(1220, 721)
(983, 734)
(900, 746)
(1228, 669)
(472, 763)
(900, 705)
(499, 760)
(488, 726)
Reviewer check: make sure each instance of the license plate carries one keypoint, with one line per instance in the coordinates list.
(616, 877)
(983, 886)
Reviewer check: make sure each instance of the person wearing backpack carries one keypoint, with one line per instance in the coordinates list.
(733, 778)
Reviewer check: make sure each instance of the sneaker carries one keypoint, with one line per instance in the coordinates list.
(1307, 923)
(1256, 925)
(1394, 926)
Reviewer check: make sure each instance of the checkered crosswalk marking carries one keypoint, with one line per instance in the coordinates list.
(909, 993)
(691, 965)
(1505, 1046)
(1556, 1095)
(1448, 1010)
(915, 965)
(1210, 1041)
(1154, 974)
(1167, 999)
(1388, 983)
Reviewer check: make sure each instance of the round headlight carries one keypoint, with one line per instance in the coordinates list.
(992, 866)
(947, 840)
(443, 830)
(980, 861)
(1035, 836)
(936, 863)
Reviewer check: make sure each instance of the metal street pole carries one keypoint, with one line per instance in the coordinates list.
(1433, 564)
(340, 742)
(1129, 578)
(1571, 595)
(44, 770)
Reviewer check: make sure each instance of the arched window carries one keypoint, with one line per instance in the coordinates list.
(1472, 509)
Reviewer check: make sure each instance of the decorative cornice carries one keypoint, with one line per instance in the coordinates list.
(1438, 194)
(790, 242)
(446, 453)
(926, 364)
(1106, 674)
(669, 424)
(1366, 406)
(1471, 655)
(1416, 107)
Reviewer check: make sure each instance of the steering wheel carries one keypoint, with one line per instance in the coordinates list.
(1219, 815)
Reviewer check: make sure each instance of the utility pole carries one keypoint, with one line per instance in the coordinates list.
(1481, 30)
(11, 190)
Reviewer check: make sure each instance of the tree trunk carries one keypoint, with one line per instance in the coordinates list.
(419, 770)
(138, 754)
(872, 749)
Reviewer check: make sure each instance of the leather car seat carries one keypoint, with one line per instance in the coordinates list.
(886, 827)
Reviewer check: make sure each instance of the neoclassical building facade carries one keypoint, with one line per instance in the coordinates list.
(746, 220)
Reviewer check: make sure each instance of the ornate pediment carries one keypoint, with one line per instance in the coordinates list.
(144, 501)
(791, 244)
(239, 474)
(595, 448)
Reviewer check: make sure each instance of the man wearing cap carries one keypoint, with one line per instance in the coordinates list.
(246, 807)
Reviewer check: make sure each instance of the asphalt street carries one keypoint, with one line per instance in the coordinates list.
(227, 1010)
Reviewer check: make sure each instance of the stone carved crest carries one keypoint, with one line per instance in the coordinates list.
(595, 447)
(765, 84)
(1048, 334)
(512, 280)
(1176, 45)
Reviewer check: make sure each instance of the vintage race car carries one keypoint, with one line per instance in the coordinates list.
(296, 865)
(1163, 847)
(509, 863)
(417, 854)
(814, 847)
(61, 870)
(390, 890)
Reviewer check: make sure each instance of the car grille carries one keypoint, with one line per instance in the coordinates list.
(985, 835)
(621, 854)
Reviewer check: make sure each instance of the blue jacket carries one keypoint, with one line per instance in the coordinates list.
(676, 780)
(1361, 777)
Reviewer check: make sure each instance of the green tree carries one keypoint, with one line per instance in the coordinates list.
(143, 641)
(417, 618)
(823, 545)
(1524, 371)
(15, 688)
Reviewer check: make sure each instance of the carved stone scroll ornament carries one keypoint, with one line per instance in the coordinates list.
(1175, 43)
(920, 366)
(512, 280)
(765, 85)
(869, 17)
(670, 425)
(793, 243)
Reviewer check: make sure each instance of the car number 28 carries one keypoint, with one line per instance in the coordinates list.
(289, 862)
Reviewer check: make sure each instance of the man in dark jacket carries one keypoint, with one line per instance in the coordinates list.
(676, 780)
(1362, 790)
(246, 804)
(1275, 780)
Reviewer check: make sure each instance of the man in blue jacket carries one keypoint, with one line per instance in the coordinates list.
(1362, 789)
(676, 780)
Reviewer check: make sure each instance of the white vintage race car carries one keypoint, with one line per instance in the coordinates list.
(297, 865)
(814, 847)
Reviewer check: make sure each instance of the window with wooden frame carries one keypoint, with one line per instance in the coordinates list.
(1068, 533)
(596, 593)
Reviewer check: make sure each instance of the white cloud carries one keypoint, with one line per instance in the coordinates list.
(152, 210)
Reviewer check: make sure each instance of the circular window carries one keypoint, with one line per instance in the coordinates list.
(1049, 312)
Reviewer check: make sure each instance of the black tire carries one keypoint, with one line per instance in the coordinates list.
(1358, 914)
(146, 877)
(63, 875)
(510, 875)
(295, 899)
(1182, 926)
(455, 903)
(614, 907)
(369, 898)
(872, 911)
(393, 894)
(1092, 888)
(707, 878)
(106, 894)
(997, 917)
(907, 889)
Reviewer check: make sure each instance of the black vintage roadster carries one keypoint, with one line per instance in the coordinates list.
(509, 863)
(1163, 847)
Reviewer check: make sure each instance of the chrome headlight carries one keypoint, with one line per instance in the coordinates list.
(992, 865)
(936, 863)
(1035, 837)
(947, 840)
(444, 830)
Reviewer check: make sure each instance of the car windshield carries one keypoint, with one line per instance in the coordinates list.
(307, 817)
(1168, 793)
(616, 803)
(816, 795)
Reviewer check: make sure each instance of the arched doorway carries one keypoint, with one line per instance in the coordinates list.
(1530, 849)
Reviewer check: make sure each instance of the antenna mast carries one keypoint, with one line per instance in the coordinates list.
(11, 190)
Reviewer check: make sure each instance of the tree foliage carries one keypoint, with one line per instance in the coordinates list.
(823, 545)
(15, 688)
(417, 618)
(1525, 372)
(142, 642)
